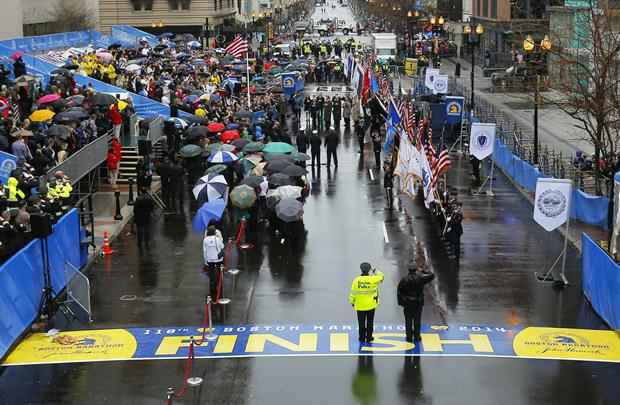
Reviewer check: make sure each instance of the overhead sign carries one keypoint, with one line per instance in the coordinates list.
(316, 340)
(411, 66)
(454, 109)
(552, 202)
(8, 163)
(429, 78)
(481, 139)
(440, 84)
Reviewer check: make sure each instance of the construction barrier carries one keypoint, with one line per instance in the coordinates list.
(21, 277)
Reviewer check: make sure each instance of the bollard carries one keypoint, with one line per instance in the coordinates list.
(169, 395)
(243, 243)
(130, 200)
(194, 381)
(117, 215)
(222, 300)
(210, 336)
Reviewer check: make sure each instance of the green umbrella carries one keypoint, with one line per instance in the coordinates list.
(247, 165)
(189, 151)
(253, 147)
(216, 169)
(243, 196)
(275, 70)
(278, 147)
(277, 156)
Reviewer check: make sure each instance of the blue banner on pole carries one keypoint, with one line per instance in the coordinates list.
(8, 163)
(454, 109)
(288, 84)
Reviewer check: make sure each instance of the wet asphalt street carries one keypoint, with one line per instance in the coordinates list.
(309, 284)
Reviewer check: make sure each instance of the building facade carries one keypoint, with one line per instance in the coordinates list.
(11, 17)
(177, 16)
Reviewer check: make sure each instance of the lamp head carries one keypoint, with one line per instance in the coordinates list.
(479, 29)
(528, 44)
(432, 21)
(545, 44)
(440, 21)
(467, 29)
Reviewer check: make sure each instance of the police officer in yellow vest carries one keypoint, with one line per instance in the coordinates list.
(15, 194)
(364, 297)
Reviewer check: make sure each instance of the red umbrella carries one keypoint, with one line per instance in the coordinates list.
(17, 55)
(215, 127)
(230, 135)
(49, 98)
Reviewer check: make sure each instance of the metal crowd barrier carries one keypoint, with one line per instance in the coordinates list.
(156, 130)
(84, 160)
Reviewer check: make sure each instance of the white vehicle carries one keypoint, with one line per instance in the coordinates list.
(322, 29)
(344, 27)
(384, 45)
(283, 49)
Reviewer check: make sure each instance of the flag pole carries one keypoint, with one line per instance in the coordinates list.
(247, 64)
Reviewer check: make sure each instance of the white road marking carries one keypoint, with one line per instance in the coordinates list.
(372, 176)
(385, 235)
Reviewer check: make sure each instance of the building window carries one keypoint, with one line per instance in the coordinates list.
(179, 4)
(494, 9)
(478, 11)
(142, 5)
(485, 8)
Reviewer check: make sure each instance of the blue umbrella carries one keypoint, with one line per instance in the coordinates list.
(232, 125)
(194, 44)
(210, 211)
(166, 35)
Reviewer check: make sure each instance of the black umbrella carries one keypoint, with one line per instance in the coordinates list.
(178, 38)
(253, 147)
(61, 71)
(240, 143)
(252, 181)
(293, 171)
(243, 114)
(277, 166)
(103, 99)
(300, 157)
(71, 116)
(160, 47)
(59, 131)
(279, 179)
(70, 66)
(196, 132)
(75, 100)
(188, 37)
(138, 61)
(289, 210)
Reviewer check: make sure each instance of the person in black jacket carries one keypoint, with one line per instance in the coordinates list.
(142, 210)
(302, 141)
(331, 144)
(410, 295)
(315, 148)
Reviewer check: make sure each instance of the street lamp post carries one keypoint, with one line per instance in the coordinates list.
(473, 40)
(529, 46)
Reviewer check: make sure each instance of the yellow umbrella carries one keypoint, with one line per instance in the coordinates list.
(42, 115)
(122, 105)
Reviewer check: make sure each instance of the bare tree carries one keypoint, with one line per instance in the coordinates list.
(72, 15)
(589, 66)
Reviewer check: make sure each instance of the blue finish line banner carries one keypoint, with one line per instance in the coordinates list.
(317, 340)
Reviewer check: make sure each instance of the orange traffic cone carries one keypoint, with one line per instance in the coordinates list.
(107, 250)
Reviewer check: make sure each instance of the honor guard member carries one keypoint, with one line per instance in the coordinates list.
(364, 298)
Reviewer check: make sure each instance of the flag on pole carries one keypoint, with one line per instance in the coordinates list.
(394, 113)
(442, 164)
(238, 47)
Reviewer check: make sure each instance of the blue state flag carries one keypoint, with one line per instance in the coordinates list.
(389, 138)
(393, 112)
(373, 83)
(454, 109)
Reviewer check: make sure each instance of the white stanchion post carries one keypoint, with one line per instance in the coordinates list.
(193, 381)
(210, 336)
(222, 300)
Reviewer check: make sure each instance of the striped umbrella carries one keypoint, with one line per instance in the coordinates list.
(223, 157)
(210, 187)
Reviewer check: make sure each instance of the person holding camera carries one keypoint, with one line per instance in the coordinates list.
(364, 297)
(410, 295)
(213, 253)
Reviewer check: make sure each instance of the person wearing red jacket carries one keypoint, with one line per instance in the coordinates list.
(116, 118)
(113, 161)
(116, 146)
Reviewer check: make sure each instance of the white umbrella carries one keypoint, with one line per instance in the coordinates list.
(211, 187)
(289, 192)
(133, 68)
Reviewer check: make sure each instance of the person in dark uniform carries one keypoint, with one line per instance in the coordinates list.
(331, 145)
(142, 210)
(410, 295)
(360, 132)
(315, 148)
(376, 147)
(164, 170)
(177, 174)
(455, 230)
(327, 113)
(475, 166)
(314, 112)
(320, 103)
(388, 184)
(337, 112)
(302, 141)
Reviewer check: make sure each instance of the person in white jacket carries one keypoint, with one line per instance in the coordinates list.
(213, 253)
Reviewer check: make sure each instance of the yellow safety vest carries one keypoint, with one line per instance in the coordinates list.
(14, 192)
(64, 190)
(364, 294)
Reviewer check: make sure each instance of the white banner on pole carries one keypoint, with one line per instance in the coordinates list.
(482, 139)
(429, 79)
(440, 84)
(552, 202)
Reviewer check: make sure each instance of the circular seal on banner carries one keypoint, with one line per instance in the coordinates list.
(454, 108)
(440, 85)
(551, 203)
(288, 82)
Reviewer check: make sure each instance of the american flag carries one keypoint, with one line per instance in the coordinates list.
(441, 165)
(429, 148)
(418, 135)
(384, 85)
(237, 47)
